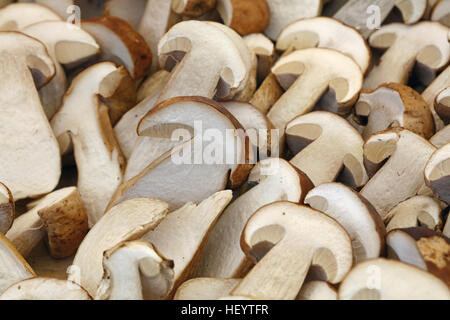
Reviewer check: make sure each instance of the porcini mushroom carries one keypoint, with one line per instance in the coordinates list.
(441, 138)
(437, 173)
(193, 8)
(327, 148)
(61, 7)
(7, 209)
(432, 91)
(317, 290)
(205, 289)
(267, 94)
(131, 11)
(16, 16)
(153, 85)
(441, 12)
(264, 49)
(412, 10)
(272, 180)
(442, 105)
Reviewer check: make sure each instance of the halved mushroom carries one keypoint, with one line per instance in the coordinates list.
(442, 105)
(394, 105)
(424, 46)
(282, 238)
(395, 159)
(16, 16)
(153, 85)
(135, 270)
(182, 235)
(129, 220)
(66, 44)
(322, 73)
(437, 173)
(416, 211)
(317, 290)
(45, 289)
(244, 16)
(193, 8)
(412, 10)
(423, 248)
(13, 267)
(7, 209)
(205, 289)
(383, 279)
(271, 180)
(30, 164)
(264, 50)
(441, 12)
(355, 214)
(121, 43)
(61, 216)
(441, 138)
(267, 94)
(285, 12)
(100, 92)
(58, 6)
(327, 148)
(323, 32)
(131, 11)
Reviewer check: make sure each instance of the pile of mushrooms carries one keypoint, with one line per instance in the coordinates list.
(224, 149)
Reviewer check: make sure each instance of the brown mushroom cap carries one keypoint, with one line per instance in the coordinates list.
(193, 8)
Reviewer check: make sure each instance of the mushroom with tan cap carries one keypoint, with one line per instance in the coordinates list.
(271, 180)
(355, 214)
(327, 148)
(193, 8)
(319, 71)
(437, 173)
(99, 94)
(60, 217)
(30, 164)
(66, 44)
(395, 159)
(182, 235)
(45, 289)
(286, 240)
(424, 46)
(412, 10)
(423, 248)
(414, 212)
(127, 221)
(120, 43)
(323, 32)
(61, 7)
(394, 105)
(205, 289)
(13, 267)
(382, 279)
(17, 16)
(135, 270)
(442, 105)
(264, 49)
(7, 209)
(441, 12)
(317, 290)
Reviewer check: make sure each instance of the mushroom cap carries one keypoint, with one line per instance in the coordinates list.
(442, 105)
(244, 16)
(437, 173)
(260, 44)
(412, 10)
(17, 16)
(193, 8)
(7, 208)
(441, 12)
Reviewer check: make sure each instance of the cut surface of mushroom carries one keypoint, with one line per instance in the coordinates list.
(267, 94)
(153, 85)
(45, 289)
(264, 49)
(30, 163)
(244, 16)
(323, 32)
(283, 239)
(271, 180)
(13, 267)
(412, 10)
(7, 209)
(17, 16)
(441, 138)
(441, 12)
(416, 211)
(205, 289)
(326, 147)
(355, 214)
(135, 270)
(193, 8)
(317, 290)
(437, 173)
(432, 91)
(58, 6)
(394, 105)
(442, 105)
(400, 157)
(424, 46)
(131, 11)
(127, 221)
(86, 117)
(318, 71)
(182, 235)
(383, 279)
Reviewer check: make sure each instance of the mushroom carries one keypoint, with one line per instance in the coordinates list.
(441, 12)
(271, 180)
(441, 138)
(153, 85)
(58, 6)
(264, 49)
(61, 216)
(412, 10)
(135, 270)
(167, 168)
(400, 157)
(432, 91)
(30, 163)
(285, 12)
(129, 220)
(267, 94)
(324, 32)
(7, 209)
(394, 105)
(13, 267)
(131, 11)
(246, 17)
(193, 8)
(45, 289)
(382, 279)
(327, 148)
(98, 93)
(318, 70)
(355, 214)
(317, 290)
(442, 105)
(286, 240)
(446, 231)
(66, 44)
(205, 289)
(16, 16)
(416, 211)
(437, 173)
(423, 248)
(182, 235)
(91, 8)
(4, 3)
(424, 45)
(121, 44)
